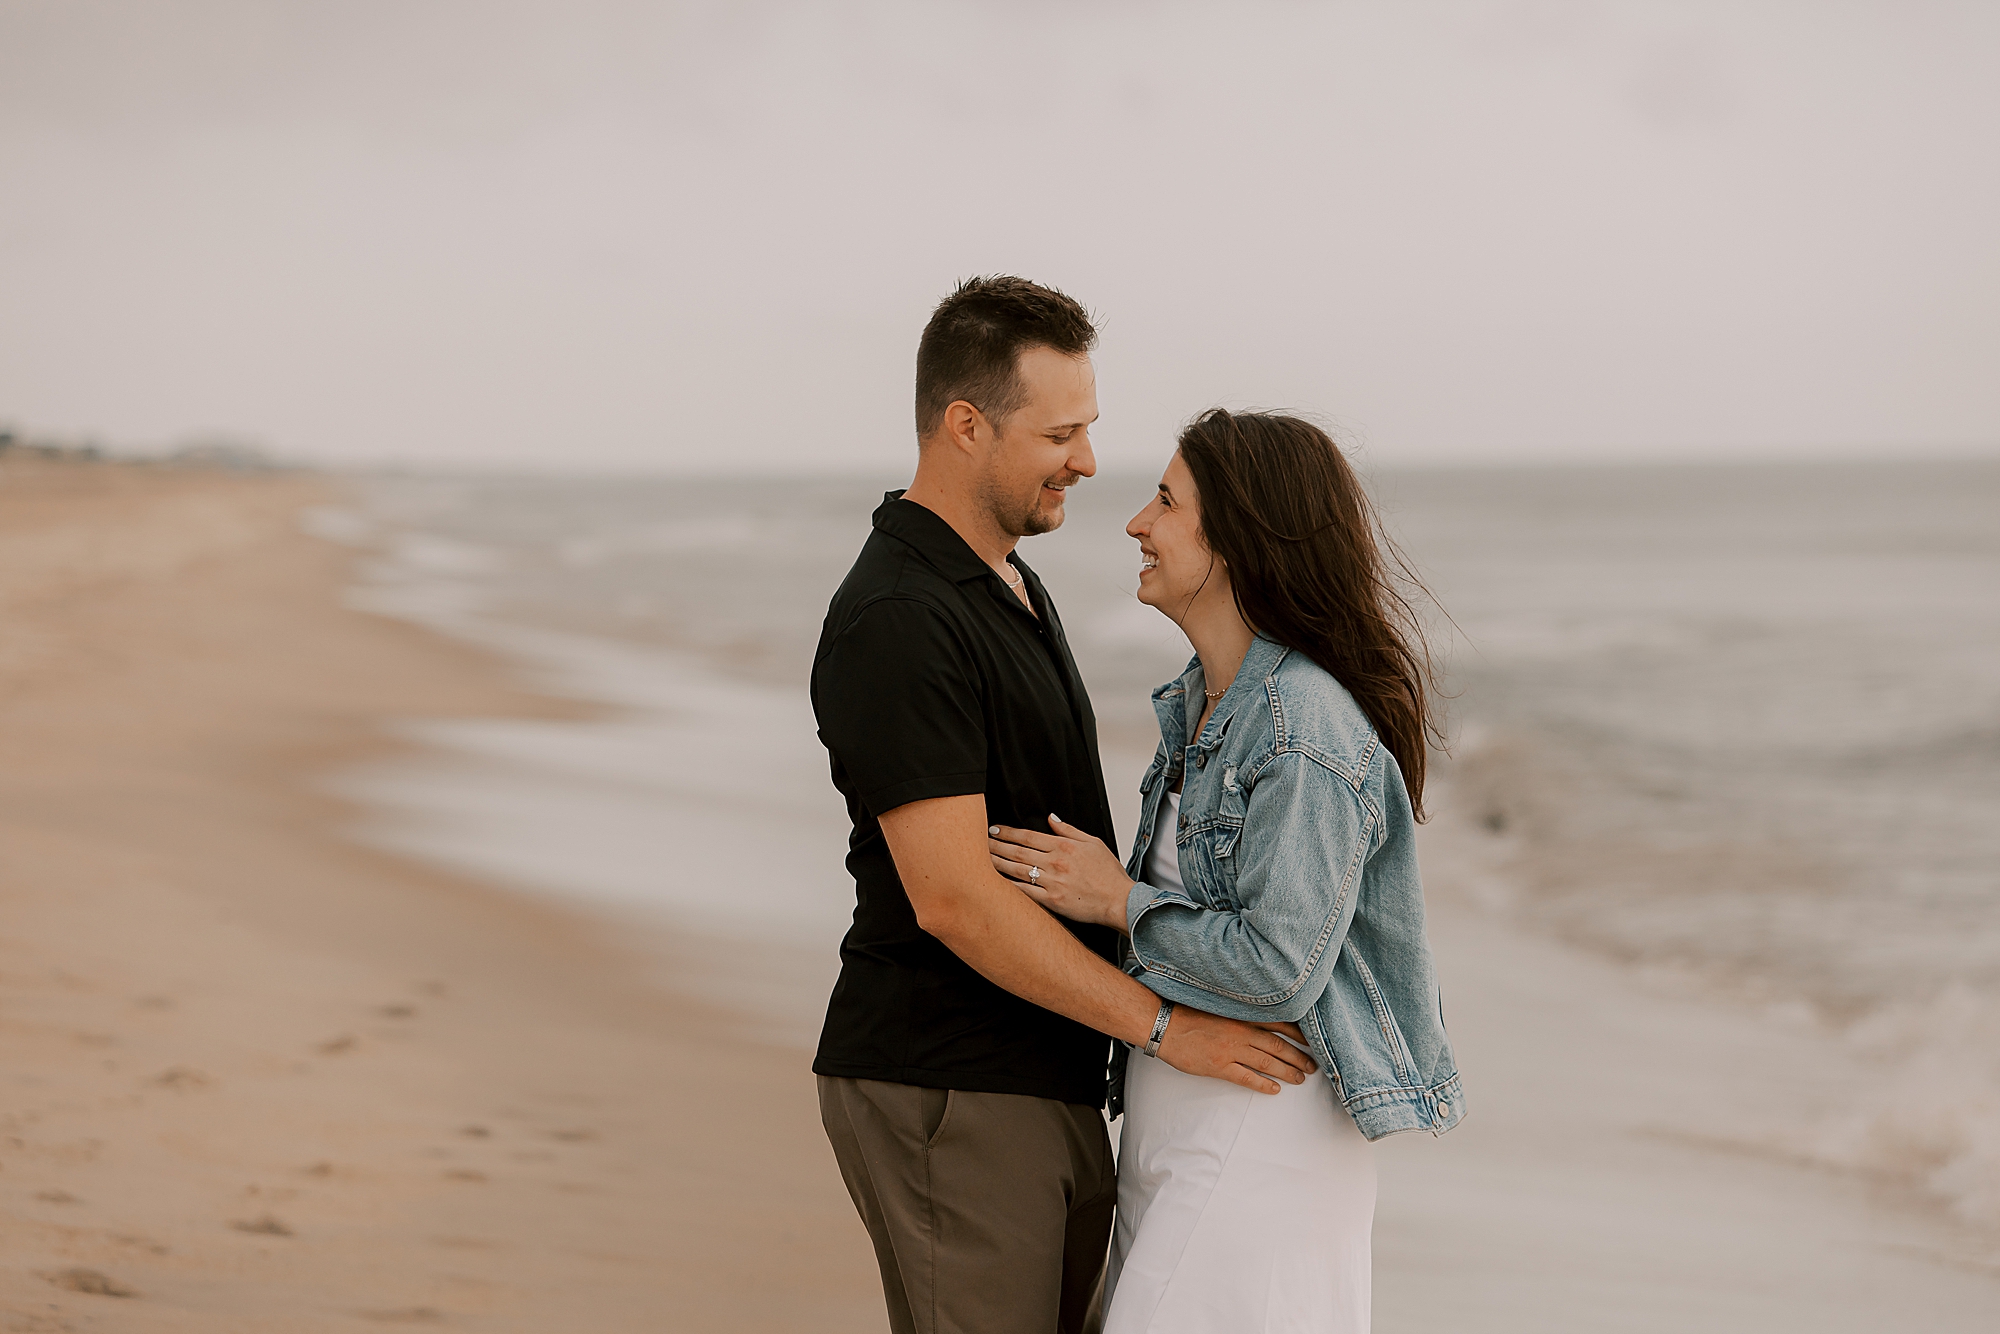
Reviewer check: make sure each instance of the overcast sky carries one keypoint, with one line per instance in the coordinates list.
(615, 234)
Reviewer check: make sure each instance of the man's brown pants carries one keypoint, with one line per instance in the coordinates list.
(990, 1212)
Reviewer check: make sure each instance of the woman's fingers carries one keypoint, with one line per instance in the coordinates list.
(1026, 838)
(1020, 856)
(1072, 834)
(1070, 831)
(1013, 870)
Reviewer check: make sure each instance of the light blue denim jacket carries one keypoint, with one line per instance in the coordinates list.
(1303, 903)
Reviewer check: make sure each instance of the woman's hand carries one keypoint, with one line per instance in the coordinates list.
(1068, 872)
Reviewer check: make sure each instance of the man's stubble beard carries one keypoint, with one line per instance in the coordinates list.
(1018, 517)
(1038, 520)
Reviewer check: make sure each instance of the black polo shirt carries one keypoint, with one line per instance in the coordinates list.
(932, 680)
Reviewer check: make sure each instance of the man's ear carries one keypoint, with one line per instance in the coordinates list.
(960, 426)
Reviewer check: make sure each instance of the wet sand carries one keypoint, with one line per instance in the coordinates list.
(254, 1076)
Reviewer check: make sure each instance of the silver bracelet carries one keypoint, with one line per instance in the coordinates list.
(1152, 1047)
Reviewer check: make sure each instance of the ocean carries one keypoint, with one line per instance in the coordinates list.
(1735, 728)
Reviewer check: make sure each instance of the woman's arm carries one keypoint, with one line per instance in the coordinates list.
(1306, 835)
(959, 900)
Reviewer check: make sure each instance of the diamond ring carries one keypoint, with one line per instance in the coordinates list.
(1034, 875)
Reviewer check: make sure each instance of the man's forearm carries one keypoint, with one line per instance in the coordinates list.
(1018, 946)
(940, 849)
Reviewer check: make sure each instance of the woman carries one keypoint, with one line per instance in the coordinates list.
(1281, 887)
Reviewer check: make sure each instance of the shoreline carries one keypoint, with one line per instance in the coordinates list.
(258, 1076)
(268, 1076)
(1626, 1159)
(1676, 1113)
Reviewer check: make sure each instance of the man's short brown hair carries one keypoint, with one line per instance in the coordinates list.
(972, 347)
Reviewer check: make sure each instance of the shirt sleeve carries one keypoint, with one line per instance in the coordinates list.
(899, 705)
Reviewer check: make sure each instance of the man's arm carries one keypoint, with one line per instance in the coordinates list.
(940, 849)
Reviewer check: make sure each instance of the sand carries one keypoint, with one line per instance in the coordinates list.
(256, 1077)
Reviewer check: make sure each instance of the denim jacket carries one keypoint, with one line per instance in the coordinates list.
(1297, 848)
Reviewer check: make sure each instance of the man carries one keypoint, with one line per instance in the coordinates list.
(962, 1066)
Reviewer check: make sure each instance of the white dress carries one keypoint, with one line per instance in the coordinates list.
(1238, 1212)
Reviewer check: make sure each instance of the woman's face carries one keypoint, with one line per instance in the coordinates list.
(1175, 564)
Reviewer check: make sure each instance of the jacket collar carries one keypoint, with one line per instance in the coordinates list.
(1170, 701)
(936, 541)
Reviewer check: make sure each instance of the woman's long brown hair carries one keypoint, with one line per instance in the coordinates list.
(1313, 570)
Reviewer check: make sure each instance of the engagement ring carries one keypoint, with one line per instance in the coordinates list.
(1034, 875)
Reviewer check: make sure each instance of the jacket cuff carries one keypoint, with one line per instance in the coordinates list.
(1143, 899)
(1136, 900)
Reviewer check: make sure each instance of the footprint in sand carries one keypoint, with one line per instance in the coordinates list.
(264, 1224)
(182, 1079)
(397, 1011)
(56, 1197)
(92, 1281)
(336, 1046)
(464, 1174)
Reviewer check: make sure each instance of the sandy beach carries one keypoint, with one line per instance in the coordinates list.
(264, 1066)
(256, 1077)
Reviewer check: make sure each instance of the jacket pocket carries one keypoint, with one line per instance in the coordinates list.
(1208, 865)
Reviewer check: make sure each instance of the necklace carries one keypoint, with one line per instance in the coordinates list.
(1216, 694)
(1018, 579)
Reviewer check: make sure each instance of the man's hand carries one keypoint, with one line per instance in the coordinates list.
(1199, 1043)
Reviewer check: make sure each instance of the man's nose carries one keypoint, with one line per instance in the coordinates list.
(1083, 460)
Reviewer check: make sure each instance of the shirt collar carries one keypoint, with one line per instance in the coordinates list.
(935, 540)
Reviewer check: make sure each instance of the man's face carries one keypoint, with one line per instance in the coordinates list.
(1044, 446)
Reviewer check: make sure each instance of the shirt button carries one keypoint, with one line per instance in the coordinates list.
(1201, 761)
(1444, 1109)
